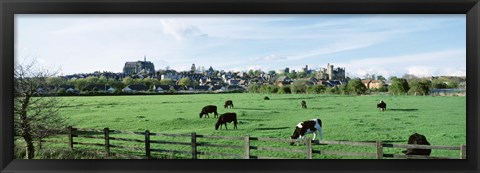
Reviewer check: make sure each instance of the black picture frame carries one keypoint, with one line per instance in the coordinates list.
(8, 8)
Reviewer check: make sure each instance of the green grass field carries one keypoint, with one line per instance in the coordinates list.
(352, 118)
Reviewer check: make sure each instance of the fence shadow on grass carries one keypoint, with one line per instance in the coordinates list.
(383, 141)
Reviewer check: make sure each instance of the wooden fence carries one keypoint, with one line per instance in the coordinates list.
(247, 147)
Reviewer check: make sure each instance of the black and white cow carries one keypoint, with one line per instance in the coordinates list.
(311, 126)
(382, 105)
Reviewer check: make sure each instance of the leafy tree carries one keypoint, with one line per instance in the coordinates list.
(128, 81)
(332, 90)
(301, 74)
(138, 81)
(439, 84)
(343, 89)
(399, 86)
(380, 77)
(117, 85)
(292, 75)
(316, 89)
(148, 82)
(92, 80)
(452, 84)
(419, 86)
(166, 81)
(383, 88)
(299, 86)
(102, 80)
(355, 86)
(61, 91)
(253, 88)
(185, 81)
(80, 84)
(313, 74)
(54, 81)
(35, 116)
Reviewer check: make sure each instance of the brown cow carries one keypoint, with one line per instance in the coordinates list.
(228, 103)
(226, 118)
(209, 109)
(417, 139)
(304, 104)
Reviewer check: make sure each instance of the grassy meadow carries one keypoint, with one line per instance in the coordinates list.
(351, 118)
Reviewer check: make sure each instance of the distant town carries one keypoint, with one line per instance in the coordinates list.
(141, 76)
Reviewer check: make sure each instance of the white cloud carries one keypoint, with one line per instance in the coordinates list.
(417, 64)
(271, 57)
(181, 31)
(421, 71)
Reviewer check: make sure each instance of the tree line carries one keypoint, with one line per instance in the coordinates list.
(399, 86)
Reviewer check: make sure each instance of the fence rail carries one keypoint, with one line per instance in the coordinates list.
(247, 147)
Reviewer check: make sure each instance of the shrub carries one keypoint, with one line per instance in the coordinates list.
(285, 90)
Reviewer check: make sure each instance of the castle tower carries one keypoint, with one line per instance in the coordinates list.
(330, 71)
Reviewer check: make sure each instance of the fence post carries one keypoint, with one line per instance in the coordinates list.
(379, 145)
(247, 147)
(309, 148)
(106, 132)
(147, 143)
(463, 152)
(70, 137)
(194, 145)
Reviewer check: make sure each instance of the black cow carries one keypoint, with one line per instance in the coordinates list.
(304, 104)
(226, 118)
(228, 103)
(266, 98)
(417, 139)
(209, 109)
(382, 105)
(311, 126)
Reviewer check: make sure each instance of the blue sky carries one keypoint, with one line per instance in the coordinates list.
(388, 45)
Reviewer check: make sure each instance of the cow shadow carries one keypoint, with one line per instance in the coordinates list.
(271, 128)
(403, 110)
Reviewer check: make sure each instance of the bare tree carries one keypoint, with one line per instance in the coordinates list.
(36, 112)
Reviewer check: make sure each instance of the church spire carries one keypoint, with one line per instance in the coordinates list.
(144, 58)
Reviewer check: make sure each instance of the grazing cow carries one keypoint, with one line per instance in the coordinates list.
(417, 139)
(228, 103)
(209, 109)
(226, 118)
(304, 104)
(382, 105)
(266, 98)
(311, 126)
